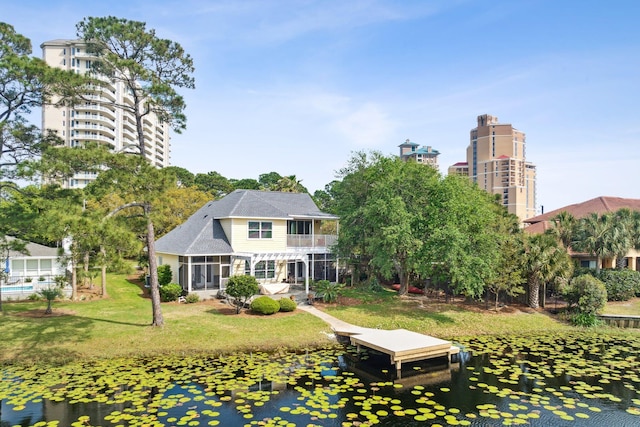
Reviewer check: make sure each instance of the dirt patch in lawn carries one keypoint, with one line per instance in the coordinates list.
(38, 313)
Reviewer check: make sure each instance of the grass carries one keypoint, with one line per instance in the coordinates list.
(630, 308)
(118, 326)
(444, 320)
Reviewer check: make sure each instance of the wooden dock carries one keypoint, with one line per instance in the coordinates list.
(401, 345)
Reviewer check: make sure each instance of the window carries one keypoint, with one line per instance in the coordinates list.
(260, 230)
(17, 266)
(262, 270)
(32, 265)
(299, 227)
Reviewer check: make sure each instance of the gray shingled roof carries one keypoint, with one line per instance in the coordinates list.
(34, 250)
(203, 234)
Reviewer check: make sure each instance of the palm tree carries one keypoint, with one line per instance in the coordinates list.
(289, 184)
(595, 234)
(545, 261)
(563, 228)
(622, 236)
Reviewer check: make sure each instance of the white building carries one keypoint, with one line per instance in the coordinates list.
(98, 119)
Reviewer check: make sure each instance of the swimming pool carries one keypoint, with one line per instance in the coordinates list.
(21, 288)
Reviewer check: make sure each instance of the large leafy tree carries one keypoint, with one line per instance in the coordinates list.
(213, 183)
(150, 68)
(462, 244)
(176, 205)
(351, 192)
(269, 180)
(397, 210)
(545, 261)
(184, 178)
(245, 184)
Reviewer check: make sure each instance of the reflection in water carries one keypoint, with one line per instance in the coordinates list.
(543, 381)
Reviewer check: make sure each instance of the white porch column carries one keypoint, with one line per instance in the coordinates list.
(189, 273)
(306, 275)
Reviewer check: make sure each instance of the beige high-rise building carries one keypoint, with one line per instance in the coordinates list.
(98, 119)
(496, 161)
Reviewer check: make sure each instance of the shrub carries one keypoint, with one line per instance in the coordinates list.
(164, 274)
(170, 292)
(586, 320)
(265, 305)
(622, 285)
(587, 293)
(191, 298)
(374, 285)
(50, 294)
(328, 291)
(34, 297)
(287, 304)
(241, 288)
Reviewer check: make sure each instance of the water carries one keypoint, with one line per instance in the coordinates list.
(579, 379)
(7, 289)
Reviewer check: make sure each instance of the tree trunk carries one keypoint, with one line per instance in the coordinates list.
(598, 263)
(103, 272)
(534, 293)
(74, 279)
(404, 284)
(48, 310)
(153, 271)
(497, 295)
(86, 278)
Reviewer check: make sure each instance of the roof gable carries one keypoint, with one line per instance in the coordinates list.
(35, 250)
(599, 205)
(202, 232)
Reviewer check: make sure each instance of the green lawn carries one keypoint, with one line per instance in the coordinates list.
(119, 325)
(444, 320)
(631, 307)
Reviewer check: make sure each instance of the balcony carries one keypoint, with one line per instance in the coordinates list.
(311, 240)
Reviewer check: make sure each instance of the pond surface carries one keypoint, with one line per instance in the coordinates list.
(582, 379)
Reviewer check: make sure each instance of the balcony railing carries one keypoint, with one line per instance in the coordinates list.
(311, 240)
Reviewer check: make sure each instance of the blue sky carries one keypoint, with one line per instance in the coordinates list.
(297, 86)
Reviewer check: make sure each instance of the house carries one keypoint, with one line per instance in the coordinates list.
(280, 238)
(27, 273)
(600, 205)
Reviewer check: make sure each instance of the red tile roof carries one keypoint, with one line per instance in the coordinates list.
(599, 205)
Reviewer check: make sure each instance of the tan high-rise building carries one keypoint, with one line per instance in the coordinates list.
(496, 161)
(97, 119)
